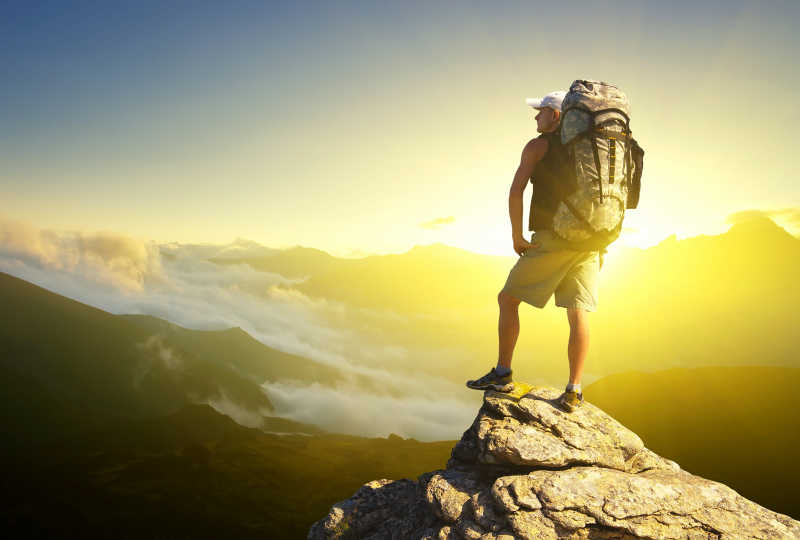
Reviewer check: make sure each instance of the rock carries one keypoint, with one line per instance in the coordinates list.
(534, 431)
(526, 469)
(657, 503)
(379, 509)
(448, 492)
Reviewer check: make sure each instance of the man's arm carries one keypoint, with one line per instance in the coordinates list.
(531, 155)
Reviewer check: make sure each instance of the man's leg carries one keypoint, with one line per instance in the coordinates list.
(578, 346)
(507, 327)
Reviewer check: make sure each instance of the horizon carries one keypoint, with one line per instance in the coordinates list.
(788, 225)
(14, 233)
(344, 315)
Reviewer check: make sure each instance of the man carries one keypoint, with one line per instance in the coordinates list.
(546, 265)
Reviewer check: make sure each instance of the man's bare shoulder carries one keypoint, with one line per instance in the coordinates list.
(535, 149)
(531, 155)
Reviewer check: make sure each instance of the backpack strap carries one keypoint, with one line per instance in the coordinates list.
(634, 174)
(593, 141)
(612, 158)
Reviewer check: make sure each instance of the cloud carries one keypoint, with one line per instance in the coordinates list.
(114, 261)
(438, 222)
(155, 352)
(179, 284)
(353, 411)
(245, 417)
(238, 249)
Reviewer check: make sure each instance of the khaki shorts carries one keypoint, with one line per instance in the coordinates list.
(552, 268)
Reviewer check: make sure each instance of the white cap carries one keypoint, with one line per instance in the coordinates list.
(552, 100)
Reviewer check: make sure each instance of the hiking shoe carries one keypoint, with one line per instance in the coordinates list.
(571, 400)
(492, 381)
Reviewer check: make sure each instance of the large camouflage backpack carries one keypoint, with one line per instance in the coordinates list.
(604, 165)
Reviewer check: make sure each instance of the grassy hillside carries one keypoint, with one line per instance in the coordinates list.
(197, 474)
(240, 351)
(96, 445)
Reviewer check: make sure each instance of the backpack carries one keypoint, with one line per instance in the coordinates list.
(603, 164)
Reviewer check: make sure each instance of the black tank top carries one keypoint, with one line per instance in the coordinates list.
(549, 181)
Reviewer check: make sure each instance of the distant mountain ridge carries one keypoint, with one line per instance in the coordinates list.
(731, 297)
(761, 225)
(756, 225)
(463, 279)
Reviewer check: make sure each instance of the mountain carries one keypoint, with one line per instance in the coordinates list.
(107, 430)
(237, 249)
(734, 424)
(393, 282)
(527, 469)
(426, 299)
(723, 299)
(396, 281)
(68, 366)
(239, 351)
(96, 462)
(727, 299)
(194, 473)
(759, 229)
(294, 263)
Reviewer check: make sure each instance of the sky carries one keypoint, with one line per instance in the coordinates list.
(360, 128)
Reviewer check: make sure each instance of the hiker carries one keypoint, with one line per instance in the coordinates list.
(546, 266)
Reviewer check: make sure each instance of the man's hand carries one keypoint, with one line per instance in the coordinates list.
(520, 245)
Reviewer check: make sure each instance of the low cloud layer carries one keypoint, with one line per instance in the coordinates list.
(356, 412)
(178, 283)
(113, 261)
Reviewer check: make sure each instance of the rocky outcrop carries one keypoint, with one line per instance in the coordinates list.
(527, 469)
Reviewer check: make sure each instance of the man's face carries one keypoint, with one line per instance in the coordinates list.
(546, 120)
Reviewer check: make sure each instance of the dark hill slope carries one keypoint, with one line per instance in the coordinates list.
(65, 364)
(736, 425)
(196, 474)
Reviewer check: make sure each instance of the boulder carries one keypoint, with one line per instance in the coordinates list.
(526, 469)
